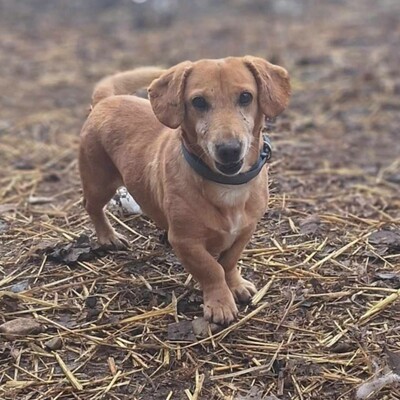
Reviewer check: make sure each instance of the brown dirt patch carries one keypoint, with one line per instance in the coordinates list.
(316, 333)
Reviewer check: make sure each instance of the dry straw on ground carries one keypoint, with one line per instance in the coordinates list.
(326, 257)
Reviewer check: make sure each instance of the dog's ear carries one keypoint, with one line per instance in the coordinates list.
(167, 95)
(273, 85)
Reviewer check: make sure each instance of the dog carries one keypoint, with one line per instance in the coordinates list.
(192, 158)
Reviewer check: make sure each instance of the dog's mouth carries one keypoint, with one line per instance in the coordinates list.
(229, 169)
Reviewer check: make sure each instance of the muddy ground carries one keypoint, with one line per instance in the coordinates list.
(327, 252)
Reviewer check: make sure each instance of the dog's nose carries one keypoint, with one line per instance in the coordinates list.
(229, 152)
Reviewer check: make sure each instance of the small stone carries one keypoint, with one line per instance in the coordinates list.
(181, 330)
(54, 343)
(4, 227)
(20, 327)
(19, 287)
(200, 327)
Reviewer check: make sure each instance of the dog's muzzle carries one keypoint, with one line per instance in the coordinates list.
(229, 159)
(229, 169)
(206, 172)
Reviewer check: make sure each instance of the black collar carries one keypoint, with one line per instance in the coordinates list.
(207, 173)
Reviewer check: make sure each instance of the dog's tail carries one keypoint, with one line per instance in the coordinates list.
(127, 82)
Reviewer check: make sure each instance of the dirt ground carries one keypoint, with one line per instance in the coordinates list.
(326, 255)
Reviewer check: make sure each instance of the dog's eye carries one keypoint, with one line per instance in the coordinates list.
(200, 103)
(245, 98)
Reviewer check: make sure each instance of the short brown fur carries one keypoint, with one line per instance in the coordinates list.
(130, 141)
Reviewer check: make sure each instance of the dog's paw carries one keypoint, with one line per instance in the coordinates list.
(114, 242)
(220, 307)
(243, 290)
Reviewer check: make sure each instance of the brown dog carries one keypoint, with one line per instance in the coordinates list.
(210, 111)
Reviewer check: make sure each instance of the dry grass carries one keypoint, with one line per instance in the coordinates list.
(327, 310)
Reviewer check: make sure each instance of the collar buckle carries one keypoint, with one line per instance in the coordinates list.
(267, 148)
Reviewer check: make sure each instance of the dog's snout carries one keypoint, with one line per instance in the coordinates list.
(229, 152)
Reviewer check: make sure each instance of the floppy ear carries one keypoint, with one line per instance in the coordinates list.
(273, 85)
(166, 95)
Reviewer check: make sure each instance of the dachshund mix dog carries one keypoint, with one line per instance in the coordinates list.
(192, 158)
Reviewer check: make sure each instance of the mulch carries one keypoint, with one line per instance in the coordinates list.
(77, 322)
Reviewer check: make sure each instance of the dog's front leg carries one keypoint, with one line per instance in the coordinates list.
(219, 304)
(241, 288)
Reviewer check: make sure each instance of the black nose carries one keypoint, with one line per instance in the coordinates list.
(229, 152)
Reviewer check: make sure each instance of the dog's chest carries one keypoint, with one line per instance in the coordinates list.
(233, 226)
(228, 197)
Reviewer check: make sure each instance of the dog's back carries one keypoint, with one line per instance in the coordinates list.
(127, 82)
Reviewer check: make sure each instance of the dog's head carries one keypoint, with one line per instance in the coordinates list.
(220, 105)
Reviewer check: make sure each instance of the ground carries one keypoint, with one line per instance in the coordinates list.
(326, 256)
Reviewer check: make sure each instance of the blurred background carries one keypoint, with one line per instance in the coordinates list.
(336, 159)
(342, 55)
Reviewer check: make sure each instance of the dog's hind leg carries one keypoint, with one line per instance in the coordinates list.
(100, 180)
